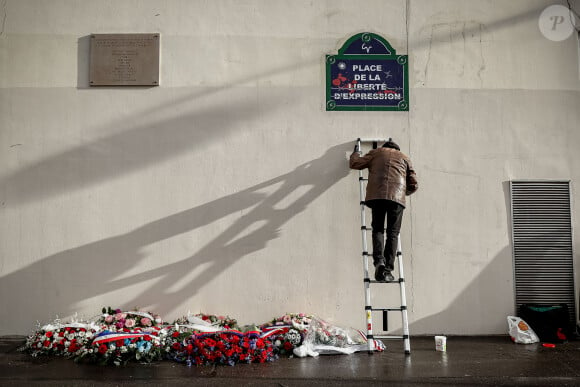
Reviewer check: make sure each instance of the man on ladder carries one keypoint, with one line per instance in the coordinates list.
(391, 177)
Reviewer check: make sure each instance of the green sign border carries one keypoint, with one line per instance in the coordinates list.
(403, 60)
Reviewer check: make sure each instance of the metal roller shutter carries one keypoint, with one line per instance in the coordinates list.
(542, 243)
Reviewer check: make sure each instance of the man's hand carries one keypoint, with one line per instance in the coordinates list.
(356, 148)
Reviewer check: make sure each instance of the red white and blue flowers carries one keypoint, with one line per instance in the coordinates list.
(117, 337)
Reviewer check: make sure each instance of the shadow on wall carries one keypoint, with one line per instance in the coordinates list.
(127, 151)
(484, 294)
(484, 297)
(188, 128)
(57, 283)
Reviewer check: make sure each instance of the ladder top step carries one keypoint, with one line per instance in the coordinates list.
(373, 139)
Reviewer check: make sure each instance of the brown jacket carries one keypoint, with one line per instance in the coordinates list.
(391, 174)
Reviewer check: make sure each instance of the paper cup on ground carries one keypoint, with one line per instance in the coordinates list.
(441, 343)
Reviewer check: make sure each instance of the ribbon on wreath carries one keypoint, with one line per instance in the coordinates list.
(106, 336)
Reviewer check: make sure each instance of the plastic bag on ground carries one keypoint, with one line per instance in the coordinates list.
(520, 331)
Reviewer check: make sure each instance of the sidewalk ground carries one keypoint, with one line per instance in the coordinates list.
(469, 361)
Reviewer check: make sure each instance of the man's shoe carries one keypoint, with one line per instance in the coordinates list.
(380, 272)
(388, 276)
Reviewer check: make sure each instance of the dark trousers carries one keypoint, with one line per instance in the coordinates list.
(385, 248)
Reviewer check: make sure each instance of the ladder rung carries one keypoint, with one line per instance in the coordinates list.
(399, 253)
(392, 337)
(382, 282)
(389, 309)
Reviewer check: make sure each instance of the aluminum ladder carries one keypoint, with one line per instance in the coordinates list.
(369, 309)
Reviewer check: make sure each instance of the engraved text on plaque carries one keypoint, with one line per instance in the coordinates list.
(124, 60)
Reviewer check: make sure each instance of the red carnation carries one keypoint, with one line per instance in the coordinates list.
(46, 343)
(288, 346)
(48, 334)
(176, 346)
(175, 334)
(147, 338)
(102, 348)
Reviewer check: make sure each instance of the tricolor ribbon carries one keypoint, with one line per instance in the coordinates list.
(269, 331)
(107, 337)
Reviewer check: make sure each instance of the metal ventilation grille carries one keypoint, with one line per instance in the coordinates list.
(542, 243)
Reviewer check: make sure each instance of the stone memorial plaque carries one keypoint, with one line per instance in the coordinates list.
(124, 60)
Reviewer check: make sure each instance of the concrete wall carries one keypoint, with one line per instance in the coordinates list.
(226, 189)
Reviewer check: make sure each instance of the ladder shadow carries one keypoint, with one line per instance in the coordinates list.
(61, 283)
(116, 155)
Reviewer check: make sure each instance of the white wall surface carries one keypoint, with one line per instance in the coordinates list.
(226, 189)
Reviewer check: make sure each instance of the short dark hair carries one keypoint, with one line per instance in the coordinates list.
(391, 144)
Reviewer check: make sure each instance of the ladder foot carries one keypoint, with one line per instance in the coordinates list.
(407, 352)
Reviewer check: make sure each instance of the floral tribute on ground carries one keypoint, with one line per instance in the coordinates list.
(116, 337)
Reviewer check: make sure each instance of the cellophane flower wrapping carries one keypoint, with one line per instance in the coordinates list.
(325, 337)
